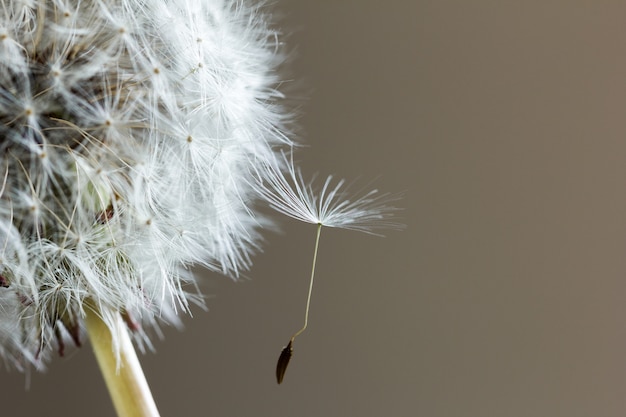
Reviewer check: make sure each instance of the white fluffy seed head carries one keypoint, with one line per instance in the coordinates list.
(135, 138)
(128, 132)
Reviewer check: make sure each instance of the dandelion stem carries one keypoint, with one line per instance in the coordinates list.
(308, 299)
(125, 379)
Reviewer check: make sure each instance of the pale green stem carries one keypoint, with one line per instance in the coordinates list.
(125, 379)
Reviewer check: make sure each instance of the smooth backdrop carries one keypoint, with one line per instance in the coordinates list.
(503, 123)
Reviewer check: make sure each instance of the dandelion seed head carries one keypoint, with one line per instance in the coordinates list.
(130, 130)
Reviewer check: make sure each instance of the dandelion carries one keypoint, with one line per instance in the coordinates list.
(136, 138)
(129, 130)
(332, 206)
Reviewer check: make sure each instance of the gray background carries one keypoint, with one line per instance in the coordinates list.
(503, 123)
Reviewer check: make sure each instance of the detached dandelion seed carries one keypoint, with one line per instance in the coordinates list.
(291, 195)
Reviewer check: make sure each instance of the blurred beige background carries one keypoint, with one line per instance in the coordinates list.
(503, 123)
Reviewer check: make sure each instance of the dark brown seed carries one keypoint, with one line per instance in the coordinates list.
(104, 216)
(283, 361)
(59, 336)
(130, 321)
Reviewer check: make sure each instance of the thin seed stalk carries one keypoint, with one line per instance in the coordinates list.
(287, 352)
(125, 380)
(308, 298)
